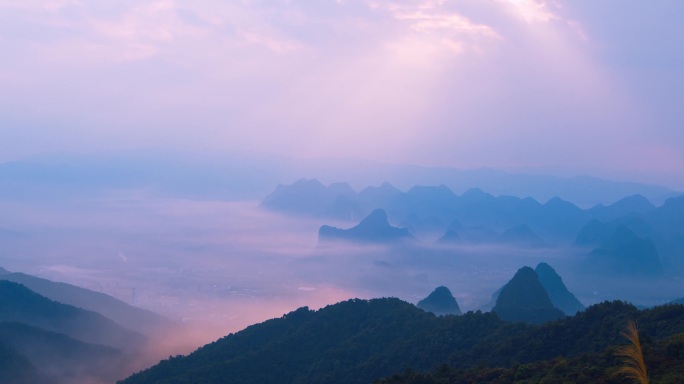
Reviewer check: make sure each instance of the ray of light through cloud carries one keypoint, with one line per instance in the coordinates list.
(517, 84)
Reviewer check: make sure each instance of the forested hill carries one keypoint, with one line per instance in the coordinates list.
(359, 341)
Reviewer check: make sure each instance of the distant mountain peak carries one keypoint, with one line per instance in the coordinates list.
(524, 299)
(557, 202)
(521, 235)
(450, 237)
(625, 253)
(475, 193)
(377, 218)
(308, 183)
(558, 292)
(342, 188)
(635, 199)
(440, 302)
(374, 228)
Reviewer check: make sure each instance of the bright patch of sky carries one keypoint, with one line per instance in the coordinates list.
(582, 87)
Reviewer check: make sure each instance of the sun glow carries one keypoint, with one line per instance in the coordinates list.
(530, 10)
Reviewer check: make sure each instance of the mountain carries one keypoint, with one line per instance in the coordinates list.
(521, 235)
(128, 316)
(625, 253)
(431, 209)
(635, 204)
(450, 237)
(17, 369)
(312, 198)
(61, 358)
(359, 341)
(593, 233)
(557, 291)
(459, 233)
(20, 304)
(524, 299)
(440, 302)
(375, 228)
(351, 342)
(377, 197)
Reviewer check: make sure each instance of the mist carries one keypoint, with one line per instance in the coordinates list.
(140, 140)
(223, 265)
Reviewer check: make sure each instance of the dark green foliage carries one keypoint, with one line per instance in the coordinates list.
(440, 302)
(665, 364)
(360, 341)
(524, 299)
(355, 341)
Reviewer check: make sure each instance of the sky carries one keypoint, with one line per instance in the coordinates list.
(572, 87)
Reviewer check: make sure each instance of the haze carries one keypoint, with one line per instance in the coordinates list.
(138, 138)
(561, 87)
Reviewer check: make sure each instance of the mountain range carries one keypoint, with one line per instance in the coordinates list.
(477, 217)
(375, 228)
(128, 316)
(250, 176)
(48, 341)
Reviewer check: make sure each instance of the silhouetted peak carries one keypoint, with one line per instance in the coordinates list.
(380, 194)
(450, 236)
(634, 201)
(674, 203)
(524, 289)
(593, 233)
(557, 202)
(387, 186)
(525, 299)
(530, 202)
(343, 189)
(440, 302)
(626, 253)
(557, 291)
(475, 193)
(438, 192)
(377, 218)
(521, 234)
(546, 270)
(375, 228)
(7, 286)
(622, 234)
(308, 184)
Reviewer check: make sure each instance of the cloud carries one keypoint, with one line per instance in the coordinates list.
(521, 83)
